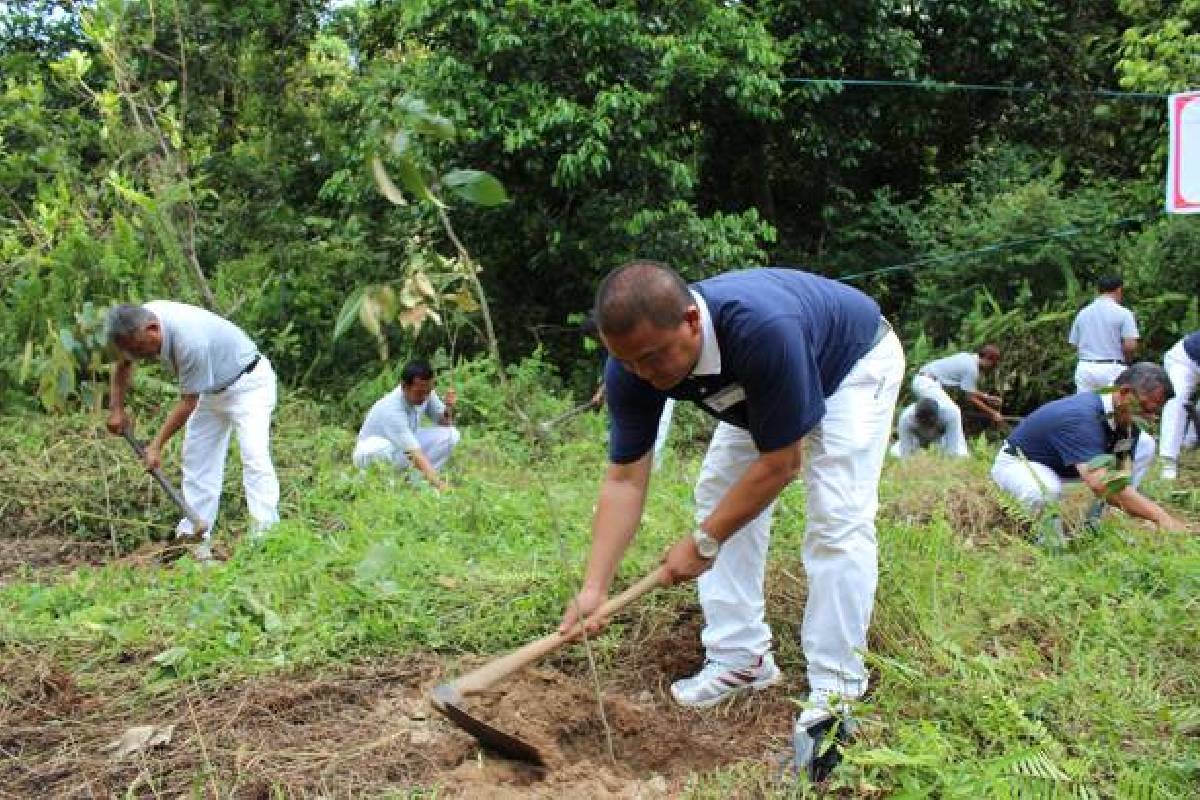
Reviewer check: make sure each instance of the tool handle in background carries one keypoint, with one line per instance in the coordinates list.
(574, 412)
(199, 526)
(495, 671)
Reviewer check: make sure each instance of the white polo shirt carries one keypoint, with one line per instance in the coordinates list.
(960, 369)
(393, 418)
(206, 352)
(1099, 328)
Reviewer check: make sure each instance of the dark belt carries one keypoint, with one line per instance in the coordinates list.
(1102, 361)
(883, 330)
(245, 371)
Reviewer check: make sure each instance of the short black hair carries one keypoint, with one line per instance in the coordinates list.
(641, 290)
(417, 368)
(926, 411)
(988, 349)
(1145, 377)
(1110, 283)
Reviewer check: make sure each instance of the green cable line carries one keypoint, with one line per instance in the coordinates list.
(980, 87)
(1062, 233)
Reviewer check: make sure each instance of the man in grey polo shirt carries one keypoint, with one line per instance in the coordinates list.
(959, 371)
(225, 385)
(1106, 335)
(392, 431)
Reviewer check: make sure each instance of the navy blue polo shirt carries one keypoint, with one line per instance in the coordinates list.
(1191, 346)
(786, 340)
(1064, 433)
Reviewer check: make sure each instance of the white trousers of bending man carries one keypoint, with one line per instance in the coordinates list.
(437, 443)
(843, 461)
(954, 442)
(1185, 375)
(244, 408)
(1091, 376)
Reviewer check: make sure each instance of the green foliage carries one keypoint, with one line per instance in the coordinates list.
(165, 151)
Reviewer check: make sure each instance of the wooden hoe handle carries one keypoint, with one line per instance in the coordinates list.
(199, 526)
(495, 671)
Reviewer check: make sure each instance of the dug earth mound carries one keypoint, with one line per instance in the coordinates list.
(371, 728)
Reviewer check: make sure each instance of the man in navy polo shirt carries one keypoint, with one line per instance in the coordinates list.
(1182, 363)
(779, 357)
(1055, 443)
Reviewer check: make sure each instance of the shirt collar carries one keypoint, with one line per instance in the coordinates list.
(165, 355)
(709, 362)
(1108, 406)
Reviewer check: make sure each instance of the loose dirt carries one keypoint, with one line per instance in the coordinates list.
(24, 556)
(370, 729)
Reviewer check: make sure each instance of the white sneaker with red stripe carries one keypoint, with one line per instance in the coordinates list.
(718, 681)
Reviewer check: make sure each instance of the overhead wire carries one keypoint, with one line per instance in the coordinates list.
(1061, 233)
(948, 86)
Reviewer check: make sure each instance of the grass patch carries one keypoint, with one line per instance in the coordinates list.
(1001, 670)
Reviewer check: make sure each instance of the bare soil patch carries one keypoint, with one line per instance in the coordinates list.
(370, 728)
(20, 555)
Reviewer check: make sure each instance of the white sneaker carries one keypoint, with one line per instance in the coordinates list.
(203, 552)
(718, 681)
(1169, 470)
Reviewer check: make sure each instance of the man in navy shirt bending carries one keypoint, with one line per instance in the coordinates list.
(779, 357)
(1055, 443)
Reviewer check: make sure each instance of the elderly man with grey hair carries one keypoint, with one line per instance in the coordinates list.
(225, 385)
(1058, 442)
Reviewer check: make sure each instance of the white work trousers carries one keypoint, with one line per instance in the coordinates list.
(1091, 376)
(664, 432)
(437, 443)
(1035, 484)
(955, 442)
(843, 461)
(246, 407)
(1184, 374)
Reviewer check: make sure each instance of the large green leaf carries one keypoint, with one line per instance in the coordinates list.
(349, 312)
(413, 181)
(475, 186)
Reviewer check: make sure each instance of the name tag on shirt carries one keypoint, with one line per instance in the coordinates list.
(726, 398)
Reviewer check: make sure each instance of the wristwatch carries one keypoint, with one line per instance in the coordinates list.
(706, 545)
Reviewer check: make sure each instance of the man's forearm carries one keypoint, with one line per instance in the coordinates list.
(979, 400)
(618, 512)
(1133, 502)
(425, 466)
(758, 487)
(175, 420)
(118, 384)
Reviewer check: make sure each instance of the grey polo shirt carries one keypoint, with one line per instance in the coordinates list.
(206, 352)
(393, 418)
(1099, 328)
(961, 370)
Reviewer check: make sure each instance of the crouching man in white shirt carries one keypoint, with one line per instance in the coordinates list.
(392, 431)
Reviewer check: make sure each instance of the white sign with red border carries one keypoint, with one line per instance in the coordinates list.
(1183, 159)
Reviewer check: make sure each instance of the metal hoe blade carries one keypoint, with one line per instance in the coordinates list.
(446, 700)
